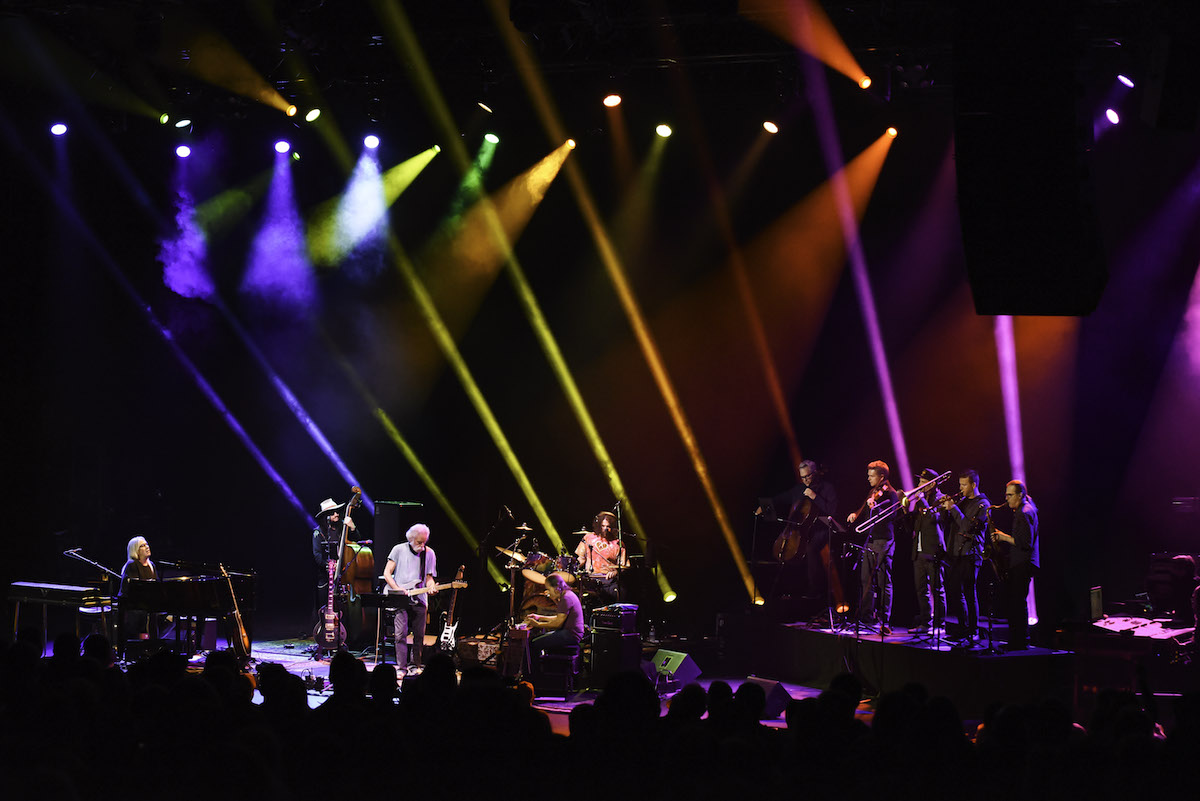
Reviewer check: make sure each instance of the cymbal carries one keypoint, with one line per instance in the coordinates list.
(520, 557)
(582, 531)
(523, 527)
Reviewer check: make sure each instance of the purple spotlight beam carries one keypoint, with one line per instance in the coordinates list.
(71, 214)
(818, 91)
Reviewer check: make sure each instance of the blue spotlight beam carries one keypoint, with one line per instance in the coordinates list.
(71, 215)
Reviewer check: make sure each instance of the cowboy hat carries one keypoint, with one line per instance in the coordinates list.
(328, 506)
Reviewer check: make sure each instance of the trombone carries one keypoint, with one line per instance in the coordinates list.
(894, 508)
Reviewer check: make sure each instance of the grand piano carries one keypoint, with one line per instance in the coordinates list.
(191, 600)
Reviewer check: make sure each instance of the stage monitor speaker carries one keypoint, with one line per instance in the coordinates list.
(777, 696)
(675, 665)
(1029, 230)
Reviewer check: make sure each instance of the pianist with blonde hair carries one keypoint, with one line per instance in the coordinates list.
(140, 568)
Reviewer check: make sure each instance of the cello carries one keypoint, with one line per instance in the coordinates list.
(798, 525)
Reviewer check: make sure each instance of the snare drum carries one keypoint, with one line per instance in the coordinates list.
(537, 567)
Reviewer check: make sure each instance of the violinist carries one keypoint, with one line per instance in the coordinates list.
(808, 503)
(876, 570)
(969, 516)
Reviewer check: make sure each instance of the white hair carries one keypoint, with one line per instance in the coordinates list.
(419, 528)
(133, 546)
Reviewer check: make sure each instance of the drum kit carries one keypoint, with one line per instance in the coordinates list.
(536, 567)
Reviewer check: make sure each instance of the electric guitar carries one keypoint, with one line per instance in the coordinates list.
(243, 638)
(330, 633)
(446, 640)
(415, 590)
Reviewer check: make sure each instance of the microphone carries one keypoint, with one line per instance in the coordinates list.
(166, 563)
(72, 550)
(617, 505)
(507, 511)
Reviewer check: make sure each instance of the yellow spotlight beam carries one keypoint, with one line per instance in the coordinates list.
(633, 219)
(35, 57)
(410, 51)
(213, 58)
(817, 36)
(549, 118)
(445, 340)
(409, 454)
(329, 239)
(721, 200)
(462, 260)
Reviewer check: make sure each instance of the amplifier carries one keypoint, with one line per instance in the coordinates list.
(612, 653)
(616, 617)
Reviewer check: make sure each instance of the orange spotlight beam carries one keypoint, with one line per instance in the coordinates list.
(814, 35)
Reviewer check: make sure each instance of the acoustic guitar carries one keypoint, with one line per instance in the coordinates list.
(241, 646)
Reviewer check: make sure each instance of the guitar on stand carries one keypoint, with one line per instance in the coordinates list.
(329, 634)
(446, 642)
(241, 645)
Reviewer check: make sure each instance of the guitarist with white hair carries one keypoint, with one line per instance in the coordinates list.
(411, 565)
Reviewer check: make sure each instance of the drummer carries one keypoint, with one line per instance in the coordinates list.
(601, 556)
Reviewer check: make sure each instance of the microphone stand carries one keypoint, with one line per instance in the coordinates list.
(75, 554)
(620, 553)
(105, 574)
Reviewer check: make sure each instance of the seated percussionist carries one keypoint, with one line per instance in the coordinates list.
(601, 554)
(566, 623)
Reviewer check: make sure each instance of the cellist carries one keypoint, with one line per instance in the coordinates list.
(808, 504)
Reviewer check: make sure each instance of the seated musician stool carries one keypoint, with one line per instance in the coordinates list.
(559, 668)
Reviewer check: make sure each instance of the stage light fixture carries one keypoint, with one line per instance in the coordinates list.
(612, 101)
(183, 123)
(571, 143)
(484, 106)
(58, 129)
(1125, 79)
(1112, 116)
(492, 138)
(371, 141)
(312, 115)
(183, 151)
(663, 130)
(770, 127)
(164, 118)
(892, 132)
(864, 82)
(670, 596)
(437, 148)
(291, 111)
(282, 146)
(295, 155)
